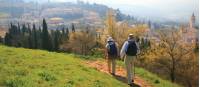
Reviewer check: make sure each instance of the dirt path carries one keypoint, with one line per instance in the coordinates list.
(120, 73)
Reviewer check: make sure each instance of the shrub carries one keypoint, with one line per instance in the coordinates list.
(97, 52)
(69, 84)
(47, 76)
(17, 82)
(98, 83)
(22, 72)
(157, 81)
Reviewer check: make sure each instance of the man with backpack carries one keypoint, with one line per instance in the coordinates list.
(129, 50)
(111, 54)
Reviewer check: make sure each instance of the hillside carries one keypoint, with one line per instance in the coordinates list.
(21, 67)
(58, 14)
(35, 68)
(67, 13)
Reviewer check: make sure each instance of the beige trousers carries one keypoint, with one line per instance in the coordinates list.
(129, 63)
(111, 65)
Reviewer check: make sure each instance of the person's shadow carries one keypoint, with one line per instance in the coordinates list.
(124, 80)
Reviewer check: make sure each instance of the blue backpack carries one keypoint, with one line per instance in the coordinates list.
(132, 48)
(113, 49)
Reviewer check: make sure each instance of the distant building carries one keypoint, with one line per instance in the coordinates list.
(56, 21)
(190, 33)
(192, 22)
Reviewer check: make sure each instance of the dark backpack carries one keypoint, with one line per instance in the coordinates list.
(113, 49)
(132, 48)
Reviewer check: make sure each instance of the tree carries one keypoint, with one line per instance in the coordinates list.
(1, 39)
(81, 42)
(30, 38)
(172, 51)
(46, 41)
(56, 40)
(111, 24)
(187, 71)
(73, 28)
(63, 31)
(14, 35)
(63, 35)
(34, 35)
(19, 29)
(8, 39)
(33, 38)
(39, 38)
(67, 33)
(119, 15)
(24, 29)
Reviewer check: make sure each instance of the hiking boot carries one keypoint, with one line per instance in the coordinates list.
(132, 81)
(131, 85)
(113, 74)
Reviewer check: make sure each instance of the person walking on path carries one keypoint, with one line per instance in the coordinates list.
(129, 51)
(111, 54)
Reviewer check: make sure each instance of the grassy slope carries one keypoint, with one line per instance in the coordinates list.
(153, 79)
(35, 68)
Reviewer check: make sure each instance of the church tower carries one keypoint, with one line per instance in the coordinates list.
(192, 22)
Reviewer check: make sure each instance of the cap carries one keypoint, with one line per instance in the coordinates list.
(110, 39)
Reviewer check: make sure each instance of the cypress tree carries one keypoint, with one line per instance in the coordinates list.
(63, 37)
(8, 39)
(1, 39)
(39, 38)
(56, 40)
(73, 28)
(24, 36)
(30, 40)
(46, 42)
(34, 37)
(67, 33)
(50, 43)
(60, 37)
(19, 29)
(63, 31)
(18, 36)
(119, 16)
(23, 29)
(14, 30)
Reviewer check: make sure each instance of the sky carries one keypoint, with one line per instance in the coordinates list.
(175, 10)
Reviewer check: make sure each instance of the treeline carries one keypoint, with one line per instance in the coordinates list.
(36, 38)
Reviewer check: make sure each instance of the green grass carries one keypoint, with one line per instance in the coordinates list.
(151, 78)
(36, 68)
(154, 79)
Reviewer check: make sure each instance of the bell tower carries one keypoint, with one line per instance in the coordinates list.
(192, 21)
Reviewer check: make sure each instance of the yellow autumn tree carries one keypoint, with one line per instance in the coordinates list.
(111, 23)
(81, 42)
(172, 54)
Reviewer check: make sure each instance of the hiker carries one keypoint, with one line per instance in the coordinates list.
(111, 54)
(129, 50)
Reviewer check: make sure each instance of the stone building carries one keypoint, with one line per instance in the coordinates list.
(190, 33)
